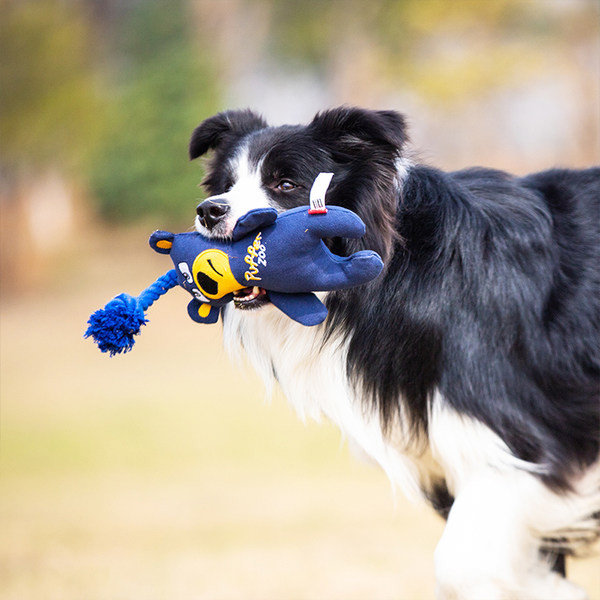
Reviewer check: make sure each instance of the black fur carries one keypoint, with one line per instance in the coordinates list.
(491, 291)
(493, 298)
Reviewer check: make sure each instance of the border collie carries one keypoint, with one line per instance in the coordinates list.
(470, 369)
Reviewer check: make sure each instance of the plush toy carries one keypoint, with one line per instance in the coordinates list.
(282, 256)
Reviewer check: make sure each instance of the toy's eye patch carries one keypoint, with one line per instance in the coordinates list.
(206, 284)
(213, 267)
(185, 271)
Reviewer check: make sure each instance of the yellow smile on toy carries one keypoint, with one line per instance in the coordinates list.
(212, 274)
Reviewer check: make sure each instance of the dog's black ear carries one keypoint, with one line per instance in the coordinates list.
(210, 133)
(360, 127)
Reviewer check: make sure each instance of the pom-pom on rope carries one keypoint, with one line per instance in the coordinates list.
(113, 327)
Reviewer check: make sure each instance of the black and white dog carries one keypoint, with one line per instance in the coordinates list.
(470, 369)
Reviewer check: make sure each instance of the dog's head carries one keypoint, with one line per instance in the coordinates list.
(256, 166)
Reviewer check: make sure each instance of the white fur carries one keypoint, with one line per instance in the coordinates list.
(403, 166)
(490, 548)
(464, 446)
(312, 376)
(246, 194)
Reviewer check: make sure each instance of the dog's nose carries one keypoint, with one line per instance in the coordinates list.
(212, 211)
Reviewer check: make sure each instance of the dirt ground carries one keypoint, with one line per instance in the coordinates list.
(164, 474)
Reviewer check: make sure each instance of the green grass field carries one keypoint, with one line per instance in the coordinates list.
(164, 474)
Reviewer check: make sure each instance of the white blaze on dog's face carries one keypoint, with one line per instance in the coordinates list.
(246, 193)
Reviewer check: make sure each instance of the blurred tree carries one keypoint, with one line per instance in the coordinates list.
(421, 43)
(50, 117)
(49, 108)
(95, 95)
(160, 88)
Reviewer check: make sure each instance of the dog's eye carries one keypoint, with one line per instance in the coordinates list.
(285, 185)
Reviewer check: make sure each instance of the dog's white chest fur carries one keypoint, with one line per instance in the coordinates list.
(312, 375)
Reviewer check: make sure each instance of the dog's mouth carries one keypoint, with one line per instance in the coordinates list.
(250, 298)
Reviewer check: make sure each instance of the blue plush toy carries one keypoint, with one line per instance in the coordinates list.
(283, 254)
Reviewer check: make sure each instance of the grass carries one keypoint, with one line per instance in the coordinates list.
(164, 473)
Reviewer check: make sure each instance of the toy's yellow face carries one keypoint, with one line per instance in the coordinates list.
(212, 274)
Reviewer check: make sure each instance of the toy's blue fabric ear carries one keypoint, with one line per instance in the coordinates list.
(162, 241)
(305, 309)
(201, 312)
(259, 217)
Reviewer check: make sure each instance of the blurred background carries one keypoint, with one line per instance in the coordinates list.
(164, 473)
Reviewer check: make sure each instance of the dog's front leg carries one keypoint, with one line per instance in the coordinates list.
(488, 550)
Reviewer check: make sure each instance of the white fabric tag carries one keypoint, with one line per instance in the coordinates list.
(317, 193)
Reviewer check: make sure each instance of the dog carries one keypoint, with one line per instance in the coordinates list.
(470, 368)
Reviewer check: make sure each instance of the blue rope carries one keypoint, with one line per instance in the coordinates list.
(161, 286)
(113, 327)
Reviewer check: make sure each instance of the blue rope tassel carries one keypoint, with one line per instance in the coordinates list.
(113, 327)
